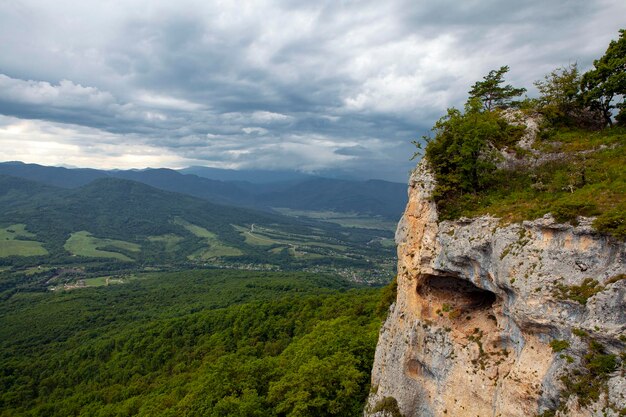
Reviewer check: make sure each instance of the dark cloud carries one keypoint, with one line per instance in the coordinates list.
(274, 84)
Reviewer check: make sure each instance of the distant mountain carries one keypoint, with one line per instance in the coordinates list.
(114, 208)
(374, 197)
(170, 180)
(162, 178)
(255, 176)
(257, 189)
(57, 176)
(112, 219)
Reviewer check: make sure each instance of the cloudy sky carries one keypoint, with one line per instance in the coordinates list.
(296, 84)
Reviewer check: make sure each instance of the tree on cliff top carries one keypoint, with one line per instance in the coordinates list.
(461, 153)
(608, 80)
(560, 92)
(491, 92)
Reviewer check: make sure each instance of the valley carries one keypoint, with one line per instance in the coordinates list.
(93, 234)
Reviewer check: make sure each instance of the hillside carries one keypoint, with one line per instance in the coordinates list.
(276, 189)
(211, 343)
(372, 197)
(113, 221)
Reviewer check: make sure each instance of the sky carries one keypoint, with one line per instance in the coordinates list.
(314, 86)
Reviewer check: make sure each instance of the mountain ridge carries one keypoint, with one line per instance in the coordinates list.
(370, 197)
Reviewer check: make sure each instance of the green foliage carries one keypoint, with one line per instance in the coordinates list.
(607, 80)
(491, 92)
(214, 343)
(460, 153)
(15, 240)
(389, 405)
(84, 244)
(616, 278)
(121, 222)
(592, 183)
(579, 293)
(575, 172)
(558, 345)
(560, 101)
(612, 222)
(388, 296)
(589, 381)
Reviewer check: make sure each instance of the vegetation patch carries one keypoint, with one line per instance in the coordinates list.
(559, 345)
(15, 240)
(343, 219)
(211, 343)
(84, 244)
(388, 405)
(616, 278)
(579, 293)
(215, 248)
(169, 241)
(576, 165)
(590, 380)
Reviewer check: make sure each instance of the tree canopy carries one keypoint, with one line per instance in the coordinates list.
(607, 80)
(491, 92)
(560, 89)
(460, 153)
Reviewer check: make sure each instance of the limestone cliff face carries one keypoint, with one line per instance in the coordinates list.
(478, 306)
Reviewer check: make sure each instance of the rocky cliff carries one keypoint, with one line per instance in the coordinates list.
(501, 320)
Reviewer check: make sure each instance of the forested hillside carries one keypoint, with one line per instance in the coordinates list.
(217, 343)
(276, 189)
(112, 224)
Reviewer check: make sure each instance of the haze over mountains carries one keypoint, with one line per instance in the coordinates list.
(252, 188)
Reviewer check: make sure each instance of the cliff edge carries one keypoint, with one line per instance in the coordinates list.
(524, 319)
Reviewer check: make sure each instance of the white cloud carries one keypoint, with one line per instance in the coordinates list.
(257, 130)
(271, 82)
(61, 144)
(65, 93)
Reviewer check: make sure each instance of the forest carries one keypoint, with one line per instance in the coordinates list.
(213, 343)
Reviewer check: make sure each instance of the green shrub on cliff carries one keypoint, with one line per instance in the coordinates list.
(462, 152)
(570, 171)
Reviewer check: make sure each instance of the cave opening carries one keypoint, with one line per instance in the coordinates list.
(455, 291)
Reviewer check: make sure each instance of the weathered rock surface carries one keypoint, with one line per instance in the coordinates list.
(478, 305)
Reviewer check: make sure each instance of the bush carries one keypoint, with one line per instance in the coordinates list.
(612, 222)
(559, 345)
(462, 154)
(580, 293)
(389, 405)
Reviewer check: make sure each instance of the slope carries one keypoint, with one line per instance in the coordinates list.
(114, 220)
(275, 189)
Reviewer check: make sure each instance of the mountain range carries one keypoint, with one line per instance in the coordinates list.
(257, 189)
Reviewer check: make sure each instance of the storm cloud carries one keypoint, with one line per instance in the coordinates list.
(312, 86)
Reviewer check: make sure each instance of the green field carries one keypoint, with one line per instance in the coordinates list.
(170, 241)
(12, 245)
(343, 219)
(298, 246)
(104, 281)
(254, 239)
(388, 243)
(215, 248)
(84, 244)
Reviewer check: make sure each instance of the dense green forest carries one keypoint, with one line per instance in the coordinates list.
(213, 343)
